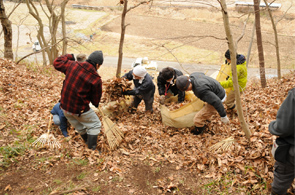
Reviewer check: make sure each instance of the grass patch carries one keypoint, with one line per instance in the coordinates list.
(10, 154)
(81, 176)
(81, 162)
(96, 189)
(57, 181)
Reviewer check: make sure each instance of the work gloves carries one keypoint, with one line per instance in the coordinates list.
(129, 92)
(162, 99)
(225, 120)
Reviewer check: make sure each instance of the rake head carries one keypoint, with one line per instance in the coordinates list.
(113, 133)
(222, 145)
(46, 139)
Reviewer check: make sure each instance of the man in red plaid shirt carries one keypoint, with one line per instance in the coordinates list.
(81, 86)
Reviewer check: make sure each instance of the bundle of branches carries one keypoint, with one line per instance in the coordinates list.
(113, 89)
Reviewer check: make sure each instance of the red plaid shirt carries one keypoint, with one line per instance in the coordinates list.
(81, 86)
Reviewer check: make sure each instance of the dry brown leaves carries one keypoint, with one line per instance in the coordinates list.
(113, 89)
(27, 98)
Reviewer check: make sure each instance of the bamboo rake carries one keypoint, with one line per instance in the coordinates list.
(112, 131)
(47, 138)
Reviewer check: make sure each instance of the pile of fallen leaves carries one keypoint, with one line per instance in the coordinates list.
(113, 89)
(115, 103)
(28, 95)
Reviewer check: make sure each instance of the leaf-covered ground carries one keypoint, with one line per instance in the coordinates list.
(152, 159)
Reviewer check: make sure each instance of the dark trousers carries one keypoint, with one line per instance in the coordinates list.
(147, 98)
(284, 174)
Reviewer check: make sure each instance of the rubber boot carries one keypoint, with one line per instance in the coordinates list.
(92, 141)
(84, 137)
(198, 130)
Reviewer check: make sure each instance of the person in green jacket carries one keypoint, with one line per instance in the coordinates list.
(242, 79)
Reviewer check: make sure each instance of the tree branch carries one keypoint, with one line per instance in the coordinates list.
(38, 51)
(143, 2)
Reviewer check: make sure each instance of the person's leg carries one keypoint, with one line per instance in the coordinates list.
(149, 104)
(136, 101)
(204, 114)
(149, 100)
(284, 174)
(230, 100)
(56, 120)
(92, 123)
(75, 123)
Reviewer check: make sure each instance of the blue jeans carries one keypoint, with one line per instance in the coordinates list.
(88, 122)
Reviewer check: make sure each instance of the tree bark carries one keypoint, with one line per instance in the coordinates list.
(123, 28)
(259, 44)
(7, 28)
(63, 23)
(54, 19)
(232, 48)
(276, 40)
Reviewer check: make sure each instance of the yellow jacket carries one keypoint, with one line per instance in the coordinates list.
(242, 78)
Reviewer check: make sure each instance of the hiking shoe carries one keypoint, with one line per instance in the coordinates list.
(198, 130)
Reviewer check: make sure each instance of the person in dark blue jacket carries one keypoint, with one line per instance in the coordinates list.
(59, 119)
(284, 128)
(144, 87)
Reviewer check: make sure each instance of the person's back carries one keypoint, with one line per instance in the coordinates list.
(81, 86)
(80, 80)
(208, 90)
(284, 127)
(202, 85)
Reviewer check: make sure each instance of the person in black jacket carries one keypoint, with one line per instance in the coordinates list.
(166, 83)
(208, 90)
(144, 87)
(284, 127)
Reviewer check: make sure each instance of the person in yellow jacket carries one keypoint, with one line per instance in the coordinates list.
(242, 79)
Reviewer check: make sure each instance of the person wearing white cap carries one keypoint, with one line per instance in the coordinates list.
(144, 87)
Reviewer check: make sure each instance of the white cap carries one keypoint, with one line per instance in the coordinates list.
(145, 60)
(139, 71)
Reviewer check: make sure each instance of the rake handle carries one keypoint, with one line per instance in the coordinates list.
(49, 124)
(101, 111)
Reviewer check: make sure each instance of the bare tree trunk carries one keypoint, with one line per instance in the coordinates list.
(63, 23)
(53, 25)
(259, 44)
(276, 40)
(250, 45)
(21, 20)
(123, 28)
(42, 41)
(6, 25)
(232, 48)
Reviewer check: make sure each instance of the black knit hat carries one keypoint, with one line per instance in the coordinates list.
(182, 83)
(227, 54)
(95, 57)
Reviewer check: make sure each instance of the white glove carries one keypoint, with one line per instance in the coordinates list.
(225, 120)
(162, 99)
